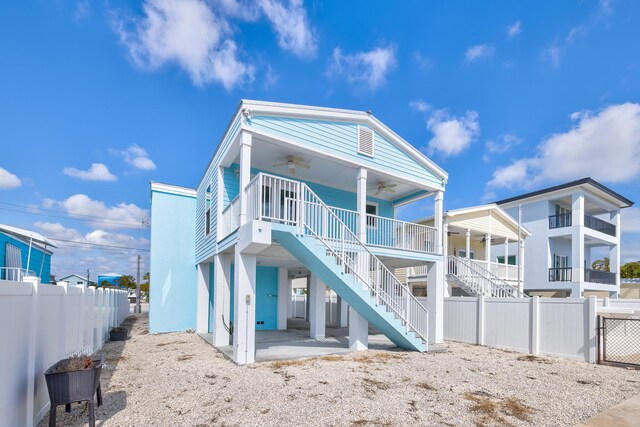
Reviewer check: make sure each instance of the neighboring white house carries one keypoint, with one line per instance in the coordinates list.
(477, 249)
(572, 225)
(630, 288)
(76, 280)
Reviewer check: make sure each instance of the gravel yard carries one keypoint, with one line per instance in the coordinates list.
(178, 379)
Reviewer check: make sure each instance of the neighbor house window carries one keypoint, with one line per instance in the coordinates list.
(463, 254)
(371, 210)
(511, 260)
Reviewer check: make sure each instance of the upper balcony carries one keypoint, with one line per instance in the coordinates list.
(282, 200)
(590, 221)
(15, 274)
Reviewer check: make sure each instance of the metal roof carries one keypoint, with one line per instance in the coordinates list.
(583, 181)
(27, 234)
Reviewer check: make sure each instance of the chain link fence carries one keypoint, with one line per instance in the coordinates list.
(620, 340)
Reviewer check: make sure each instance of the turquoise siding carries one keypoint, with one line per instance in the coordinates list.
(36, 257)
(173, 268)
(205, 246)
(231, 186)
(211, 282)
(341, 139)
(266, 298)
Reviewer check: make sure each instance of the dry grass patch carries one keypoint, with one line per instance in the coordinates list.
(426, 386)
(377, 422)
(162, 344)
(279, 364)
(532, 358)
(184, 357)
(493, 410)
(379, 357)
(372, 385)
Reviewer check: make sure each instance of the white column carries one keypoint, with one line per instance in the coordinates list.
(244, 319)
(317, 306)
(438, 205)
(284, 297)
(219, 197)
(358, 331)
(506, 251)
(577, 209)
(361, 205)
(521, 256)
(291, 310)
(468, 243)
(202, 299)
(245, 173)
(614, 253)
(487, 250)
(435, 301)
(221, 299)
(343, 312)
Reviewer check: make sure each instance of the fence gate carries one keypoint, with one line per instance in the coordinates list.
(619, 340)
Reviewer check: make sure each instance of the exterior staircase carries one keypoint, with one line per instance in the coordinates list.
(316, 236)
(478, 281)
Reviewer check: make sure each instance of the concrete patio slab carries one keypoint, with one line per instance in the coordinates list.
(626, 414)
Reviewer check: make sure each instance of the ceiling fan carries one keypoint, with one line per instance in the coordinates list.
(292, 163)
(389, 188)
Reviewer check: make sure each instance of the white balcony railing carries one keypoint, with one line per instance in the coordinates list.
(278, 199)
(231, 217)
(15, 274)
(505, 272)
(392, 233)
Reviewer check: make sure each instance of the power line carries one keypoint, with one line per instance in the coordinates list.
(63, 212)
(100, 245)
(69, 217)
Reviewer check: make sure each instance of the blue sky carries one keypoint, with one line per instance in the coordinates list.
(98, 98)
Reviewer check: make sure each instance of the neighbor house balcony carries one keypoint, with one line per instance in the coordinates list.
(286, 201)
(15, 274)
(599, 225)
(560, 274)
(597, 276)
(560, 220)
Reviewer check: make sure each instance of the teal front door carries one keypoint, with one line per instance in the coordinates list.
(266, 298)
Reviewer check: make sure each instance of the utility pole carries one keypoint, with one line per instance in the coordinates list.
(137, 310)
(88, 281)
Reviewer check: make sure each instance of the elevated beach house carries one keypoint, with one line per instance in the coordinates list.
(292, 190)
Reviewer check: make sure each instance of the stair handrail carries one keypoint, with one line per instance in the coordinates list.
(495, 288)
(413, 306)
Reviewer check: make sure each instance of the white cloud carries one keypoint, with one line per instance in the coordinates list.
(8, 181)
(502, 143)
(419, 105)
(78, 257)
(97, 172)
(479, 51)
(136, 156)
(123, 215)
(423, 62)
(189, 34)
(630, 220)
(83, 10)
(514, 29)
(369, 68)
(246, 10)
(270, 78)
(604, 145)
(452, 134)
(291, 25)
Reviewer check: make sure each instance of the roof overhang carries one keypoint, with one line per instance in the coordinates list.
(586, 184)
(27, 235)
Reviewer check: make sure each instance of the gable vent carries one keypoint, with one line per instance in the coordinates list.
(365, 141)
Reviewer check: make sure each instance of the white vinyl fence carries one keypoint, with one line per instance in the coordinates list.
(298, 308)
(42, 324)
(560, 327)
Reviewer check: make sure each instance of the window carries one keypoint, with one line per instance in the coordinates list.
(79, 282)
(207, 213)
(462, 253)
(511, 260)
(372, 209)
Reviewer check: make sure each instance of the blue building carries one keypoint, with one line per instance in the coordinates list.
(24, 253)
(292, 190)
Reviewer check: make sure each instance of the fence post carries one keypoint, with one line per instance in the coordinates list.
(606, 302)
(592, 332)
(481, 320)
(535, 326)
(81, 319)
(31, 354)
